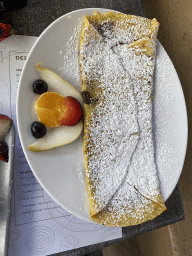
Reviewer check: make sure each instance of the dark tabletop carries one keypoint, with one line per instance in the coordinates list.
(37, 15)
(32, 20)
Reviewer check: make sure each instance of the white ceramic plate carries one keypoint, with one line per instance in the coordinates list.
(59, 170)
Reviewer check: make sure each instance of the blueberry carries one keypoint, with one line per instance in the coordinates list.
(40, 86)
(38, 130)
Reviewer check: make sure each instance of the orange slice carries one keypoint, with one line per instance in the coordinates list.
(49, 108)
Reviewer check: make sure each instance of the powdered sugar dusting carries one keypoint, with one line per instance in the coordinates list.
(164, 118)
(109, 150)
(70, 56)
(142, 172)
(81, 172)
(121, 168)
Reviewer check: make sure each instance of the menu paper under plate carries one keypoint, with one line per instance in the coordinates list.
(38, 225)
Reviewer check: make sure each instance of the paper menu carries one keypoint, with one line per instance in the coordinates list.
(38, 226)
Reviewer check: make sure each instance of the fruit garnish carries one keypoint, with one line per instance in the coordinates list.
(5, 125)
(53, 110)
(48, 108)
(40, 86)
(58, 84)
(38, 130)
(4, 152)
(72, 112)
(62, 134)
(59, 136)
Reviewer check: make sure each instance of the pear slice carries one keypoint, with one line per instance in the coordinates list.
(59, 136)
(58, 84)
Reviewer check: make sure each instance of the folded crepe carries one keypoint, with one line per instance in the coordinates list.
(117, 58)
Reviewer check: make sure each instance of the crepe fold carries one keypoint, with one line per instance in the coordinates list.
(117, 58)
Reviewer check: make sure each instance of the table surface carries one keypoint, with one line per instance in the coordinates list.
(32, 20)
